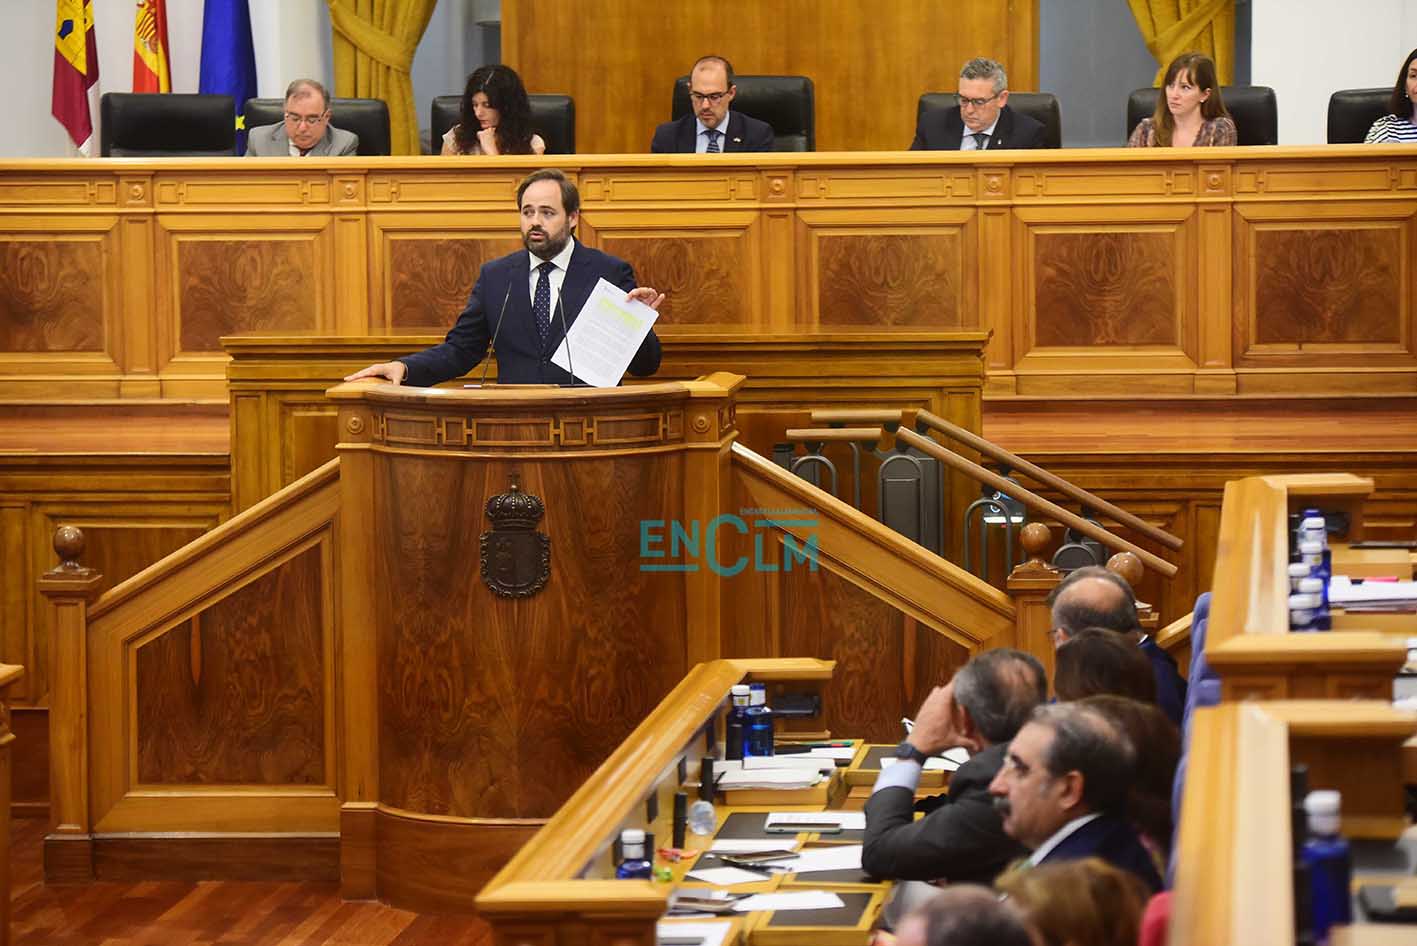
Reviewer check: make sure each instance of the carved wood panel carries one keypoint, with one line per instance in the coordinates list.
(885, 279)
(1329, 286)
(245, 285)
(1096, 288)
(500, 707)
(51, 295)
(430, 277)
(236, 694)
(705, 279)
(827, 617)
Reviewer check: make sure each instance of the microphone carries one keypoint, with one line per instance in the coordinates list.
(565, 333)
(492, 345)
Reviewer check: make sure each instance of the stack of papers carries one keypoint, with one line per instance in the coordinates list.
(845, 820)
(1342, 591)
(802, 900)
(797, 777)
(707, 932)
(836, 857)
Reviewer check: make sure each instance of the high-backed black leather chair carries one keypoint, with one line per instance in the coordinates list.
(553, 117)
(1351, 112)
(787, 103)
(1252, 107)
(367, 118)
(1039, 106)
(166, 125)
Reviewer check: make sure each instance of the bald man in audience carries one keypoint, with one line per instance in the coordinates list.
(1097, 597)
(1063, 789)
(967, 915)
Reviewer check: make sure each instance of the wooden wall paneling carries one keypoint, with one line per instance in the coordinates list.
(1329, 282)
(59, 303)
(1111, 289)
(17, 635)
(902, 268)
(1215, 355)
(424, 263)
(869, 62)
(227, 273)
(29, 783)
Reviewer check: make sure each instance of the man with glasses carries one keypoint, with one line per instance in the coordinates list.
(306, 130)
(982, 120)
(710, 128)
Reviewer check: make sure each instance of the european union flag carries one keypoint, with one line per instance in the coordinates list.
(229, 57)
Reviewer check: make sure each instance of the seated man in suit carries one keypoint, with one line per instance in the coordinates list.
(1063, 788)
(306, 131)
(1096, 597)
(710, 128)
(983, 119)
(962, 839)
(523, 303)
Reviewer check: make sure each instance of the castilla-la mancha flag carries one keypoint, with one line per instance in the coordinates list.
(75, 70)
(150, 69)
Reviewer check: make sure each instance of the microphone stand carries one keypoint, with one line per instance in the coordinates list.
(492, 346)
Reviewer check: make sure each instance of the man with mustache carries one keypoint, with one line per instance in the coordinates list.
(1063, 786)
(710, 128)
(535, 295)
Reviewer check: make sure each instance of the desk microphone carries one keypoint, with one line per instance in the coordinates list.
(566, 334)
(492, 346)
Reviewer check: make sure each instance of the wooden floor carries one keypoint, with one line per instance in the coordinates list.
(228, 913)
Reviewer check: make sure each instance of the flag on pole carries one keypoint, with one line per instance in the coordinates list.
(75, 70)
(150, 63)
(228, 57)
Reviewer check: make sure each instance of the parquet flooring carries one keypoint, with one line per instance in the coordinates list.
(208, 913)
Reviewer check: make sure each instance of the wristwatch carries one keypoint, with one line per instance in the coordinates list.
(907, 751)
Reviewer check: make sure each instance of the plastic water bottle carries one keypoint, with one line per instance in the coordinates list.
(633, 864)
(759, 738)
(1330, 863)
(736, 729)
(1300, 879)
(702, 818)
(1316, 589)
(1302, 610)
(1297, 571)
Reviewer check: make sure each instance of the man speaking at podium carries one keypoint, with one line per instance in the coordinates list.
(523, 303)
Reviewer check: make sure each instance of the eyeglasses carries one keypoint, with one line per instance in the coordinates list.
(714, 98)
(978, 103)
(295, 119)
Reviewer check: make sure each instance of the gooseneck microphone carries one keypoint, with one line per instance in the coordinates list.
(566, 334)
(492, 345)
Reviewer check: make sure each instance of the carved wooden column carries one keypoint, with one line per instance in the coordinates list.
(8, 675)
(1029, 585)
(70, 588)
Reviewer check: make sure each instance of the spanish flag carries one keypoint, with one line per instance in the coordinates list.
(150, 69)
(75, 70)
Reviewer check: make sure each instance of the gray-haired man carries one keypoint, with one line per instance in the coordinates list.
(982, 120)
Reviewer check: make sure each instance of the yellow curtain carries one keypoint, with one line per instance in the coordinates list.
(1172, 27)
(374, 41)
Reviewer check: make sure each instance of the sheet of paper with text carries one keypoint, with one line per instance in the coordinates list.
(605, 336)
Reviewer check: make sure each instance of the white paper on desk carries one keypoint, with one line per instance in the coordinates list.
(846, 820)
(810, 763)
(768, 778)
(605, 336)
(1343, 591)
(846, 753)
(750, 845)
(797, 900)
(836, 857)
(726, 876)
(932, 764)
(712, 932)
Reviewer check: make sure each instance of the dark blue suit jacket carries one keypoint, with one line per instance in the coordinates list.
(522, 356)
(1115, 841)
(1170, 685)
(743, 134)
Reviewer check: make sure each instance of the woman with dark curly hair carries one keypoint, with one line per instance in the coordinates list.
(1400, 123)
(496, 116)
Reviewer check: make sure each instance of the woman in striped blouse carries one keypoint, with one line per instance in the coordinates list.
(1400, 124)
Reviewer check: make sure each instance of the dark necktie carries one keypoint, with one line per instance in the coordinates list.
(979, 139)
(541, 302)
(712, 146)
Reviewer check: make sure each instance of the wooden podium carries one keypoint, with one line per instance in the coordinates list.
(501, 633)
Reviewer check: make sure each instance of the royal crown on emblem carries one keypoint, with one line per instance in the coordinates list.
(515, 510)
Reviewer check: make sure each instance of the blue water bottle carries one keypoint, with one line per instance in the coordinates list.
(633, 863)
(759, 738)
(1330, 863)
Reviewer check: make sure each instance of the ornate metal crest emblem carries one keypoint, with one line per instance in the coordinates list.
(516, 558)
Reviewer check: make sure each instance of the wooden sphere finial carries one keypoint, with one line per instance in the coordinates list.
(1127, 566)
(69, 544)
(1035, 538)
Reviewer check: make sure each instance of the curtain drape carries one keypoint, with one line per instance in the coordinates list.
(374, 42)
(1172, 27)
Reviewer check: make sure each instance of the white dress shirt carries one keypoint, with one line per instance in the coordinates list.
(701, 139)
(967, 143)
(556, 277)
